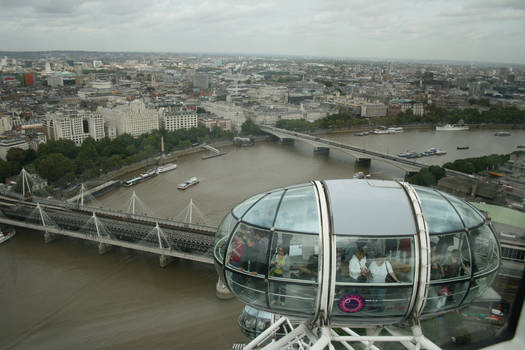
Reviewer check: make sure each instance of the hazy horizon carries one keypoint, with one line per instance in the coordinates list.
(483, 31)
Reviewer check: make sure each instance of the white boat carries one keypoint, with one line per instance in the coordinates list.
(434, 152)
(502, 133)
(6, 234)
(395, 130)
(451, 127)
(408, 154)
(166, 167)
(133, 181)
(188, 183)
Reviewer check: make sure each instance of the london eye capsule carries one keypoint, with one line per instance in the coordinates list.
(356, 252)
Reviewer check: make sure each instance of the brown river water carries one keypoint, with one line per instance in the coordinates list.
(64, 295)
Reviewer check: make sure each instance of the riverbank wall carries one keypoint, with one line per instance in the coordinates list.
(169, 157)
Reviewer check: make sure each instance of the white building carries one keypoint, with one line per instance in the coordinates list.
(133, 118)
(226, 111)
(174, 118)
(370, 110)
(75, 126)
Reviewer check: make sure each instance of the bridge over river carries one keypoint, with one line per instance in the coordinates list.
(361, 154)
(109, 228)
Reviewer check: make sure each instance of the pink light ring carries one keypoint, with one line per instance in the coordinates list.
(351, 303)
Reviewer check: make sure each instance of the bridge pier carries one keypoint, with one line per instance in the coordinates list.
(164, 260)
(322, 150)
(363, 161)
(103, 248)
(50, 237)
(286, 141)
(222, 292)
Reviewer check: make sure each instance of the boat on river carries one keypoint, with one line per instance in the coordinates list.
(188, 183)
(395, 130)
(502, 133)
(462, 147)
(142, 177)
(166, 167)
(409, 154)
(433, 152)
(451, 127)
(7, 233)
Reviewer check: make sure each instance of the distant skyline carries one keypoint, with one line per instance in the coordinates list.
(455, 30)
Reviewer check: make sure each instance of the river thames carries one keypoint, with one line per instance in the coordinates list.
(64, 295)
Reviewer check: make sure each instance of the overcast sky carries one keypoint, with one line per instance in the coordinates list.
(469, 30)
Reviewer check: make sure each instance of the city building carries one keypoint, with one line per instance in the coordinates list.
(133, 118)
(371, 110)
(6, 124)
(75, 126)
(200, 80)
(7, 144)
(211, 123)
(174, 118)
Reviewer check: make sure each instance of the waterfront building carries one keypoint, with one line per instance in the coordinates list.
(75, 126)
(174, 118)
(133, 118)
(211, 123)
(371, 110)
(226, 111)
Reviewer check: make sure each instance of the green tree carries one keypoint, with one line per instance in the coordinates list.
(53, 166)
(250, 128)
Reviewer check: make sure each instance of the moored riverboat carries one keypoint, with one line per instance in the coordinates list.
(166, 168)
(451, 127)
(409, 154)
(433, 152)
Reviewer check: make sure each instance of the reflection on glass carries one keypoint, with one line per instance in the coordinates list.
(371, 301)
(263, 212)
(239, 210)
(248, 249)
(292, 297)
(370, 260)
(445, 296)
(479, 286)
(485, 249)
(470, 216)
(221, 237)
(249, 289)
(298, 211)
(449, 256)
(440, 215)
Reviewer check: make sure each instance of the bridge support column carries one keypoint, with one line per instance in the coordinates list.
(49, 237)
(286, 141)
(164, 260)
(363, 161)
(322, 150)
(222, 292)
(103, 248)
